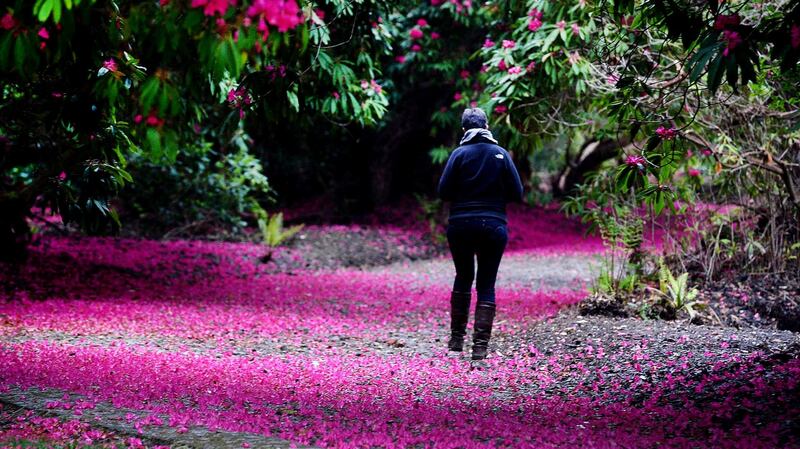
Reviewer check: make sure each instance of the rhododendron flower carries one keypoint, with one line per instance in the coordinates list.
(576, 30)
(416, 47)
(43, 33)
(473, 104)
(336, 95)
(534, 24)
(364, 84)
(725, 21)
(531, 66)
(635, 160)
(795, 36)
(500, 109)
(239, 98)
(110, 65)
(693, 172)
(154, 120)
(732, 40)
(284, 14)
(422, 23)
(8, 21)
(62, 176)
(163, 3)
(457, 96)
(464, 74)
(138, 119)
(707, 152)
(400, 59)
(574, 57)
(435, 35)
(535, 13)
(561, 24)
(416, 33)
(375, 86)
(212, 7)
(320, 13)
(502, 65)
(509, 43)
(436, 2)
(488, 43)
(515, 70)
(666, 133)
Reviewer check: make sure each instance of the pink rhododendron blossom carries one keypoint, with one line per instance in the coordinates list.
(400, 59)
(732, 40)
(464, 74)
(534, 24)
(239, 99)
(666, 133)
(635, 160)
(457, 96)
(416, 33)
(561, 24)
(502, 65)
(416, 47)
(501, 109)
(283, 14)
(138, 119)
(515, 70)
(535, 13)
(707, 152)
(531, 66)
(336, 95)
(576, 30)
(509, 43)
(436, 2)
(43, 33)
(153, 120)
(725, 21)
(488, 43)
(693, 172)
(213, 7)
(8, 21)
(422, 23)
(110, 65)
(435, 35)
(795, 36)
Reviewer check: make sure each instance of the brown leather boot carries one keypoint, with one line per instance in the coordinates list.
(484, 318)
(459, 315)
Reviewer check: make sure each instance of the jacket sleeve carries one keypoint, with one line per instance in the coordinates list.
(447, 182)
(515, 190)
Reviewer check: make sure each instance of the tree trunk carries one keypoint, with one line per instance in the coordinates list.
(590, 157)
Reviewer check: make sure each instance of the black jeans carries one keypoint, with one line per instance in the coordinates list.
(482, 236)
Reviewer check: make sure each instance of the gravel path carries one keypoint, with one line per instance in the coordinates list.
(518, 269)
(570, 352)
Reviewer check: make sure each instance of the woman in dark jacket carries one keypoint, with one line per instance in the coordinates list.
(479, 179)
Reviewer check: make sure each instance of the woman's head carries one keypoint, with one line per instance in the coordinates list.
(474, 118)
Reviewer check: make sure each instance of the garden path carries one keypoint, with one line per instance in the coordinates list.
(194, 344)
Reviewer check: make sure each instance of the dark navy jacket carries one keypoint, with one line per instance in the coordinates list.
(479, 179)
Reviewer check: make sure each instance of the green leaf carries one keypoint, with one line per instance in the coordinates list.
(154, 142)
(732, 74)
(46, 7)
(293, 100)
(715, 73)
(56, 10)
(20, 55)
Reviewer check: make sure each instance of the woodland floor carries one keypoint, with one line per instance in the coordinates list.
(339, 342)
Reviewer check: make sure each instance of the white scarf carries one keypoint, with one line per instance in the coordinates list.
(477, 132)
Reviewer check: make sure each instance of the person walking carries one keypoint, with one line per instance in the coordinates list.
(479, 180)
